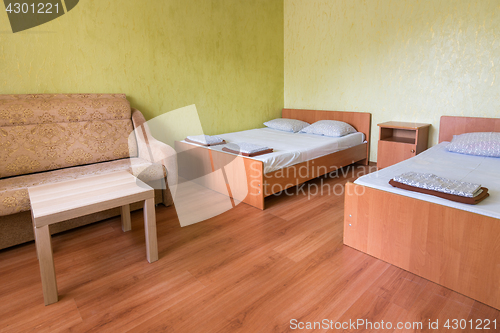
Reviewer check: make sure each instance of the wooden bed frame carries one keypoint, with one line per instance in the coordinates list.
(454, 248)
(243, 178)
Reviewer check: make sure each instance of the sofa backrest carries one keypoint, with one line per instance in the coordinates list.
(46, 132)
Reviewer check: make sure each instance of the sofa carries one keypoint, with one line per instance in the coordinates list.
(48, 138)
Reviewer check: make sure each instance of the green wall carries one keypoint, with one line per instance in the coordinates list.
(225, 56)
(241, 61)
(404, 60)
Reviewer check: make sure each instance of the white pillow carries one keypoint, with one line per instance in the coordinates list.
(329, 128)
(285, 124)
(480, 144)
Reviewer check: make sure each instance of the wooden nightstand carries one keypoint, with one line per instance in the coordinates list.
(399, 141)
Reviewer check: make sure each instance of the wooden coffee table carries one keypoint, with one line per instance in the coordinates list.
(57, 202)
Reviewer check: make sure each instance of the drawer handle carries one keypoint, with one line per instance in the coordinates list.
(412, 151)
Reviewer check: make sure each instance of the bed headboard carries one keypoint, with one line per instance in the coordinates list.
(450, 126)
(361, 121)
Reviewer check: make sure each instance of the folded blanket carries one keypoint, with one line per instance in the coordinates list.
(429, 181)
(205, 140)
(471, 201)
(246, 149)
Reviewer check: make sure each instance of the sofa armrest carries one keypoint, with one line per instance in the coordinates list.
(154, 150)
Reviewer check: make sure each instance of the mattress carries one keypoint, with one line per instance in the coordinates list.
(290, 148)
(439, 161)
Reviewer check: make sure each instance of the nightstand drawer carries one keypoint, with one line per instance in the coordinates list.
(392, 152)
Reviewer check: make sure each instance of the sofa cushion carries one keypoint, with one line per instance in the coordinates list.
(48, 132)
(14, 190)
(16, 110)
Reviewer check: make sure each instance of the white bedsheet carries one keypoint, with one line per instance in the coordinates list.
(290, 148)
(439, 161)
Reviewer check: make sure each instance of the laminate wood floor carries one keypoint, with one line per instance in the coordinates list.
(245, 270)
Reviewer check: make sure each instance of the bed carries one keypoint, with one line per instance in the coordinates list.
(250, 180)
(454, 245)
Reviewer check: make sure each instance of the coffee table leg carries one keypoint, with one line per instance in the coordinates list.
(34, 233)
(150, 230)
(125, 212)
(46, 262)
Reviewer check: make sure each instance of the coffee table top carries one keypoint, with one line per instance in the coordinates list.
(52, 203)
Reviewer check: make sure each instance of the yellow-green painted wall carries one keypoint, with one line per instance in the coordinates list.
(406, 60)
(225, 56)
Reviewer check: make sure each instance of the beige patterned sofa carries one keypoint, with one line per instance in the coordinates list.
(48, 138)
